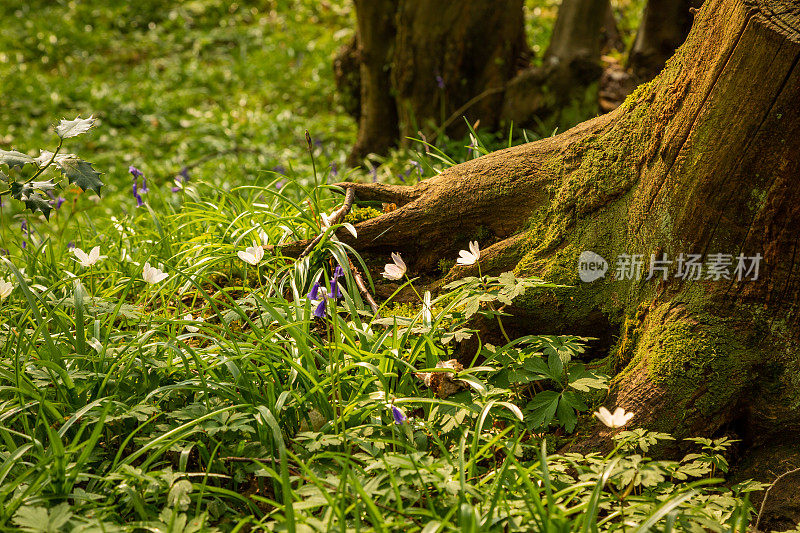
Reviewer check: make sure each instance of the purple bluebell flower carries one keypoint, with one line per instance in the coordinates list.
(314, 291)
(373, 172)
(399, 416)
(336, 292)
(26, 232)
(279, 184)
(181, 179)
(4, 251)
(334, 169)
(59, 202)
(136, 194)
(143, 189)
(420, 171)
(279, 169)
(319, 312)
(439, 81)
(136, 190)
(70, 245)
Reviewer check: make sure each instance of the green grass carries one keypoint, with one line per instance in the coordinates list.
(215, 400)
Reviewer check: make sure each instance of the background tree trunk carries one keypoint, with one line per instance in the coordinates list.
(377, 125)
(448, 53)
(665, 25)
(570, 71)
(576, 35)
(422, 62)
(681, 167)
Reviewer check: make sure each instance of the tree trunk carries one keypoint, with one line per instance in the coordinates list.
(428, 62)
(570, 71)
(665, 25)
(705, 159)
(447, 53)
(576, 35)
(377, 124)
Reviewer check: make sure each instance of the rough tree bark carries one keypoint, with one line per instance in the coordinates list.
(704, 159)
(421, 61)
(665, 25)
(377, 122)
(471, 46)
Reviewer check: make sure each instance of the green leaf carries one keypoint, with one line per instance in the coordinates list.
(73, 128)
(39, 202)
(21, 191)
(13, 158)
(556, 366)
(566, 416)
(31, 195)
(46, 155)
(542, 408)
(80, 173)
(179, 494)
(40, 520)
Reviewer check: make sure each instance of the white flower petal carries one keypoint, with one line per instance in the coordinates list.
(5, 289)
(475, 249)
(398, 261)
(349, 227)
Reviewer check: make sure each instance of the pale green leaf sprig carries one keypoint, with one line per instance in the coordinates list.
(73, 128)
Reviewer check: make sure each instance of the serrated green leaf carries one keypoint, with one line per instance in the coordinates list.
(73, 128)
(46, 155)
(556, 366)
(80, 173)
(22, 191)
(38, 202)
(12, 158)
(566, 415)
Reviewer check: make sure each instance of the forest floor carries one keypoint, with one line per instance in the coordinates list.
(176, 380)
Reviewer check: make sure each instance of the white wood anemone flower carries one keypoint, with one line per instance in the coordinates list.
(5, 289)
(395, 271)
(189, 318)
(469, 257)
(152, 275)
(263, 237)
(252, 254)
(88, 260)
(616, 420)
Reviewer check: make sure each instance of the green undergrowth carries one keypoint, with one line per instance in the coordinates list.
(228, 394)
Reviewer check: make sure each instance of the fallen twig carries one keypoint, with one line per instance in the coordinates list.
(334, 219)
(766, 494)
(362, 288)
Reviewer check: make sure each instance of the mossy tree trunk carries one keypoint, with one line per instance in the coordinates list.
(704, 159)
